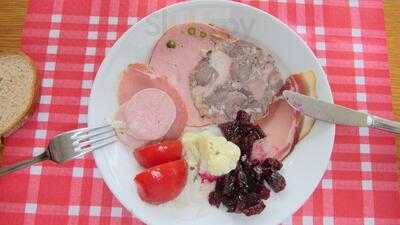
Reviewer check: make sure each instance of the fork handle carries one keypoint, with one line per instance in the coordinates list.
(26, 163)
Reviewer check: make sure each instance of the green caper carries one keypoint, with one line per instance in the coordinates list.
(171, 44)
(203, 34)
(191, 30)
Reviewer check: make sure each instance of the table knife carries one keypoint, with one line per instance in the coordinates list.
(337, 114)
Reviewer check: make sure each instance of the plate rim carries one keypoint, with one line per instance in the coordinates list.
(99, 164)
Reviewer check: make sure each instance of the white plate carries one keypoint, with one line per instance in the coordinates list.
(303, 169)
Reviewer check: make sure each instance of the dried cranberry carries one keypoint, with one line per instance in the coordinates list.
(240, 203)
(263, 192)
(255, 209)
(243, 118)
(236, 140)
(259, 131)
(255, 162)
(214, 199)
(229, 183)
(258, 172)
(272, 163)
(243, 189)
(276, 181)
(249, 140)
(228, 129)
(246, 128)
(242, 180)
(252, 199)
(230, 203)
(219, 185)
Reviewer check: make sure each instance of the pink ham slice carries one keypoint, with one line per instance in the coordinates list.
(135, 79)
(177, 63)
(281, 127)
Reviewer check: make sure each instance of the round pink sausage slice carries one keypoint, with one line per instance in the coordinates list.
(141, 76)
(149, 114)
(122, 131)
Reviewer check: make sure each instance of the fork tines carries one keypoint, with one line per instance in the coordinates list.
(90, 139)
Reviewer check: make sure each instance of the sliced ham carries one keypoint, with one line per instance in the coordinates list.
(177, 53)
(146, 98)
(284, 126)
(280, 128)
(135, 78)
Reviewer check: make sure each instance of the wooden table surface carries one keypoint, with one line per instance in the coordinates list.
(12, 15)
(392, 25)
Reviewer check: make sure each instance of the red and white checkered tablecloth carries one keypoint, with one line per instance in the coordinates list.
(68, 40)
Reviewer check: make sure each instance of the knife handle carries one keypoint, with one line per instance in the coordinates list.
(385, 124)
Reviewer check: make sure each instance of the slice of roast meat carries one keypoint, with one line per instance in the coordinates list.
(284, 126)
(280, 128)
(235, 75)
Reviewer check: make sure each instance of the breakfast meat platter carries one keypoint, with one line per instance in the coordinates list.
(203, 130)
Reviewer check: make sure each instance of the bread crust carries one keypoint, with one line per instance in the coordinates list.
(34, 92)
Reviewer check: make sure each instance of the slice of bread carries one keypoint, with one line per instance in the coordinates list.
(18, 90)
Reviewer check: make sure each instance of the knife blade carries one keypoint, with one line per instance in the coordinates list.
(337, 114)
(326, 111)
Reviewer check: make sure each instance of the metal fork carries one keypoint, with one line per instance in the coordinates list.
(69, 145)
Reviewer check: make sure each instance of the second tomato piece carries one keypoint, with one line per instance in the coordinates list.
(162, 183)
(158, 153)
